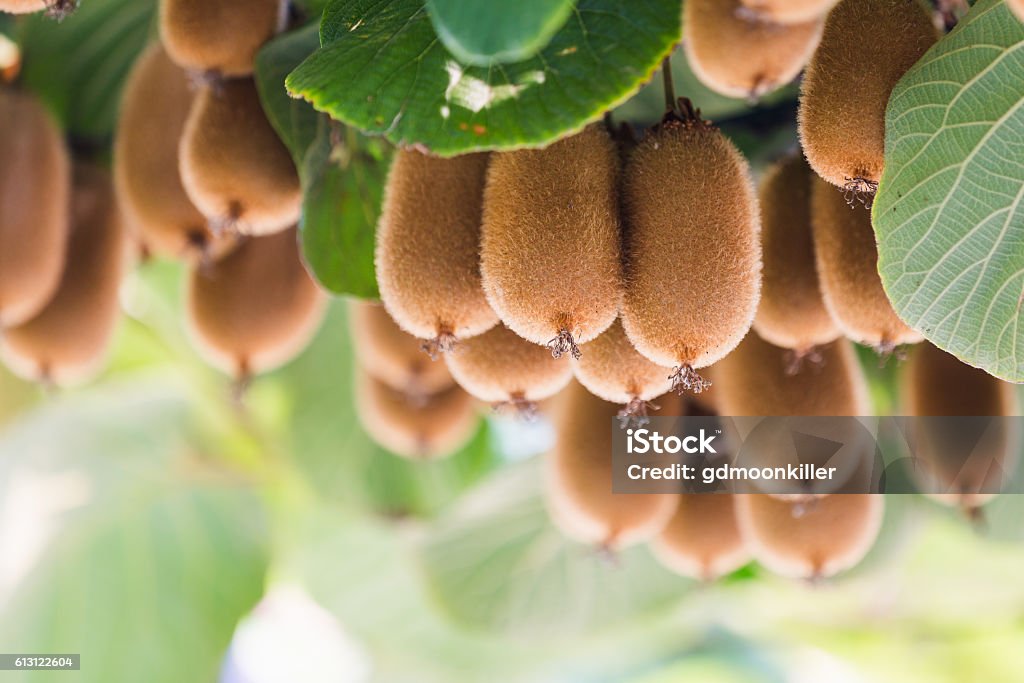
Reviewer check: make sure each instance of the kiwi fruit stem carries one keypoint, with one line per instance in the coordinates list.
(685, 378)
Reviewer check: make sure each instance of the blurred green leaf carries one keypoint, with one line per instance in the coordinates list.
(78, 66)
(383, 70)
(483, 32)
(497, 563)
(341, 462)
(948, 213)
(342, 173)
(148, 553)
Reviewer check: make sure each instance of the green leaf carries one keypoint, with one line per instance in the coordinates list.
(483, 32)
(146, 550)
(296, 122)
(383, 70)
(949, 214)
(344, 188)
(79, 66)
(497, 563)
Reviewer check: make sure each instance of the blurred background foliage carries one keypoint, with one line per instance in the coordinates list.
(143, 516)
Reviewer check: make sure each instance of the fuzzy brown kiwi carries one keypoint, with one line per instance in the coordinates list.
(791, 313)
(391, 355)
(738, 54)
(155, 105)
(702, 540)
(968, 472)
(578, 482)
(35, 181)
(55, 8)
(866, 48)
(611, 369)
(218, 36)
(233, 165)
(67, 341)
(810, 542)
(847, 260)
(550, 246)
(756, 380)
(1017, 6)
(503, 369)
(255, 308)
(428, 248)
(788, 11)
(415, 427)
(693, 251)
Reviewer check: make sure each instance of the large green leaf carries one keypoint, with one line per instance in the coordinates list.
(78, 66)
(122, 542)
(950, 208)
(496, 562)
(483, 32)
(383, 70)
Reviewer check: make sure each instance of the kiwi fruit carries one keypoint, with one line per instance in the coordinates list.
(578, 481)
(810, 542)
(503, 369)
(233, 165)
(866, 48)
(693, 254)
(756, 380)
(428, 248)
(702, 540)
(611, 369)
(791, 313)
(958, 465)
(67, 341)
(218, 37)
(847, 259)
(256, 308)
(55, 8)
(155, 105)
(35, 182)
(390, 355)
(1017, 6)
(788, 11)
(550, 246)
(415, 427)
(738, 54)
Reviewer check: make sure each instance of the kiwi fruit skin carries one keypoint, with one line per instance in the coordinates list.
(937, 384)
(550, 251)
(256, 308)
(155, 105)
(847, 259)
(702, 540)
(738, 54)
(693, 255)
(502, 368)
(611, 369)
(755, 380)
(217, 36)
(1017, 6)
(35, 182)
(866, 48)
(792, 313)
(578, 479)
(814, 541)
(428, 247)
(23, 6)
(788, 11)
(66, 342)
(233, 165)
(414, 427)
(390, 355)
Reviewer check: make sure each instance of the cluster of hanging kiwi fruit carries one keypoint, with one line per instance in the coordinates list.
(621, 275)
